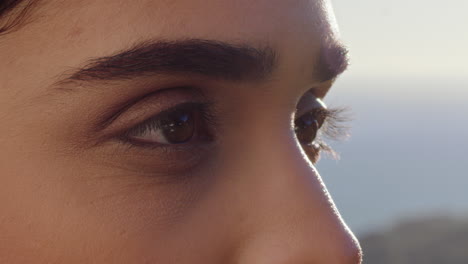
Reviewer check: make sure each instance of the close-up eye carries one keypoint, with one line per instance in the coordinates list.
(315, 123)
(307, 126)
(196, 132)
(311, 114)
(181, 124)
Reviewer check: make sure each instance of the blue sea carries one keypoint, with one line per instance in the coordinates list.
(407, 156)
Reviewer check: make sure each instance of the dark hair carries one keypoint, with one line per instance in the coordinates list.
(12, 13)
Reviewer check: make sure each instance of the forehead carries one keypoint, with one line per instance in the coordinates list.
(66, 33)
(220, 19)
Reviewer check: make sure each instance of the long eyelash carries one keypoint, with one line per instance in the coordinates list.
(334, 128)
(154, 123)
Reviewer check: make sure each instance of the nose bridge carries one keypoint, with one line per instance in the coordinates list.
(294, 219)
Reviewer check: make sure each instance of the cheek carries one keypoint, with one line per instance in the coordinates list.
(52, 206)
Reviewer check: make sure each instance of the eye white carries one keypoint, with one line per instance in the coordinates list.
(152, 135)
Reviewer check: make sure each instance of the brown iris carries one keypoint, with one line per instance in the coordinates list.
(179, 126)
(308, 125)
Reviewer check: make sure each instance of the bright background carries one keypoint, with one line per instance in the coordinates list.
(408, 88)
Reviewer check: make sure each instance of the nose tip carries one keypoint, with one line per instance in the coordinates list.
(346, 251)
(277, 251)
(295, 221)
(355, 256)
(318, 246)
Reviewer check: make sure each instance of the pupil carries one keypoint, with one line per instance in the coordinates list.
(306, 128)
(179, 127)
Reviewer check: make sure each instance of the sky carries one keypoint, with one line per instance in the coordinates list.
(405, 37)
(407, 88)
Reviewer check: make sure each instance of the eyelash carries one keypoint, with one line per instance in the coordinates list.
(334, 127)
(153, 123)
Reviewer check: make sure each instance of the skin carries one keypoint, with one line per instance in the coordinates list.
(69, 194)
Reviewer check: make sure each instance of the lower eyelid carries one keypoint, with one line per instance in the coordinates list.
(159, 161)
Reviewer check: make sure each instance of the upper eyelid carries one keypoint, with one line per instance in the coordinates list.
(308, 102)
(322, 111)
(156, 119)
(127, 115)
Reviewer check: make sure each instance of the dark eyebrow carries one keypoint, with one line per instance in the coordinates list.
(333, 60)
(216, 59)
(205, 57)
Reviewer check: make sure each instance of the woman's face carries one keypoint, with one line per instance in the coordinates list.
(168, 132)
